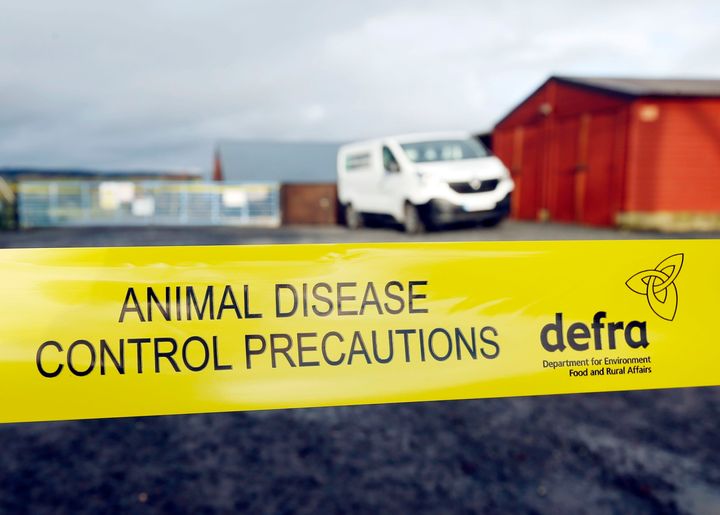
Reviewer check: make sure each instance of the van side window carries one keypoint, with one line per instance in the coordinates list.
(389, 162)
(357, 161)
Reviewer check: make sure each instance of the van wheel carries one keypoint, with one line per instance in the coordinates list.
(353, 219)
(413, 222)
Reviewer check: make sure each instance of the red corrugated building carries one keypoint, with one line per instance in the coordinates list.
(642, 153)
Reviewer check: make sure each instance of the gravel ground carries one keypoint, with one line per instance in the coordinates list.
(631, 452)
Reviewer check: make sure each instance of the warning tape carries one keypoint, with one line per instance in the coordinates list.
(115, 332)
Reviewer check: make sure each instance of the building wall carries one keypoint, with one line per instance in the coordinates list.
(565, 99)
(674, 162)
(673, 165)
(309, 204)
(566, 149)
(276, 161)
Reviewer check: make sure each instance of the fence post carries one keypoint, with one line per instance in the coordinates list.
(184, 201)
(215, 206)
(52, 201)
(85, 203)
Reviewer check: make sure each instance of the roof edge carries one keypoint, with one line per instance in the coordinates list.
(519, 104)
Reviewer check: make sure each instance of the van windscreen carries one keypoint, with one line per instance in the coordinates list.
(443, 150)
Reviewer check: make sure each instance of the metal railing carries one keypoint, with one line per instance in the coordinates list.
(124, 203)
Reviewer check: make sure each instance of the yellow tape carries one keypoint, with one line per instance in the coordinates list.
(113, 332)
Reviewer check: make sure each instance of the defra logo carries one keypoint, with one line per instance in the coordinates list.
(658, 286)
(557, 336)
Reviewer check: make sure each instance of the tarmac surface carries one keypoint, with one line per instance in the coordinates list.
(628, 452)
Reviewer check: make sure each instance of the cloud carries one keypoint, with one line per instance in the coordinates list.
(155, 83)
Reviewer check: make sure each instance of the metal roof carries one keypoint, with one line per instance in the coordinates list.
(649, 87)
(278, 161)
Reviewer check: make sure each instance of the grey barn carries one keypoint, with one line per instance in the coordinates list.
(304, 171)
(275, 161)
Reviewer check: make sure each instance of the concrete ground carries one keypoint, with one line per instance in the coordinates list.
(630, 452)
(139, 236)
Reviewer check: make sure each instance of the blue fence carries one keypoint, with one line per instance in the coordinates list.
(124, 203)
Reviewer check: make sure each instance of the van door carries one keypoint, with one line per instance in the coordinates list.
(391, 185)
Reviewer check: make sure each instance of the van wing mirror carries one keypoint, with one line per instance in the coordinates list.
(393, 167)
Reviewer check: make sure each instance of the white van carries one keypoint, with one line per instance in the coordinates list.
(423, 180)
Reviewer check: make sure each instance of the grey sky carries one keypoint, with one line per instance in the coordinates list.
(156, 83)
